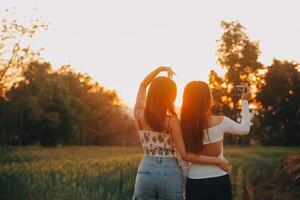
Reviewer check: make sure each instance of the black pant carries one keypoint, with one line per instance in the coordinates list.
(216, 188)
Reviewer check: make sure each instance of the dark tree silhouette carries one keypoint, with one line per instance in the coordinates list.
(64, 107)
(278, 120)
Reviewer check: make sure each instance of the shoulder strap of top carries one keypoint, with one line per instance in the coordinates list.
(139, 119)
(168, 125)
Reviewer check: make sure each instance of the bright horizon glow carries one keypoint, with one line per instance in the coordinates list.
(119, 42)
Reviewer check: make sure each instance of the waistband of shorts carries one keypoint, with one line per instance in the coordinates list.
(160, 158)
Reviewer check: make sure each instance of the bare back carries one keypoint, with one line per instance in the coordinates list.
(142, 125)
(215, 148)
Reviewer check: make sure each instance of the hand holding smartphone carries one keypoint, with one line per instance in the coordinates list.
(243, 91)
(238, 90)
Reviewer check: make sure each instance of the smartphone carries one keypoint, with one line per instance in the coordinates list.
(238, 90)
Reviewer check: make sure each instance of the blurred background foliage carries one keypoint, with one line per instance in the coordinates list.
(275, 106)
(45, 106)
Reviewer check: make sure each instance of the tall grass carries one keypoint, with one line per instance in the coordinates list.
(108, 173)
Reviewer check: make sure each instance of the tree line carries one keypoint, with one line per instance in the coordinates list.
(50, 107)
(40, 105)
(43, 106)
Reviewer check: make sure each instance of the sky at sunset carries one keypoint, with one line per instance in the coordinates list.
(118, 42)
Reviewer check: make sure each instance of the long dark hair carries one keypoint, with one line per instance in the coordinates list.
(160, 102)
(196, 104)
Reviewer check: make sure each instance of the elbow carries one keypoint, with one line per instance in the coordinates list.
(185, 158)
(143, 85)
(245, 131)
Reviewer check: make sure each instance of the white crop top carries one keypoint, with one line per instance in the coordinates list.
(215, 134)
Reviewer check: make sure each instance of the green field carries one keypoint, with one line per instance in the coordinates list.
(109, 172)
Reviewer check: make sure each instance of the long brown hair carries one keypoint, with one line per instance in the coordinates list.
(196, 104)
(160, 102)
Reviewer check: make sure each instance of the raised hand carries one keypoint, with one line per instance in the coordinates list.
(169, 70)
(141, 96)
(246, 93)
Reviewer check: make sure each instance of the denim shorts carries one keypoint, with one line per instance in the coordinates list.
(158, 178)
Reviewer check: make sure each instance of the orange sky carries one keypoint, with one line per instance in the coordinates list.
(118, 42)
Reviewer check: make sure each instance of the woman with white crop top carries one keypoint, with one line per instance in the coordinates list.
(159, 176)
(203, 135)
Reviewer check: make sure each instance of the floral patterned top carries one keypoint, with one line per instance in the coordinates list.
(157, 143)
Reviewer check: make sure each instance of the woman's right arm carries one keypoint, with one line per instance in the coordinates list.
(190, 157)
(141, 96)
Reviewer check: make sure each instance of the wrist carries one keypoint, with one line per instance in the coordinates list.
(218, 161)
(160, 69)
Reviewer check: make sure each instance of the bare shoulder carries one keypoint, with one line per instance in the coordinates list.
(215, 120)
(217, 117)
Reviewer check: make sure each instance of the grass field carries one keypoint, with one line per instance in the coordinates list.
(108, 173)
